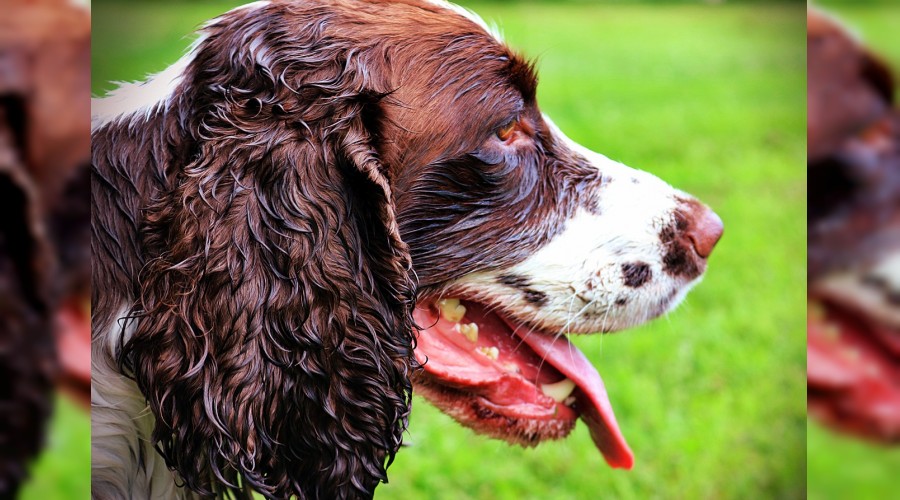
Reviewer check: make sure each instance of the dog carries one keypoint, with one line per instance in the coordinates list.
(853, 368)
(328, 203)
(44, 235)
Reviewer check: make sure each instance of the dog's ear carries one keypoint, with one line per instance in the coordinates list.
(27, 355)
(273, 338)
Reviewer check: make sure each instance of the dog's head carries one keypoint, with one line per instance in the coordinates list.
(853, 261)
(333, 184)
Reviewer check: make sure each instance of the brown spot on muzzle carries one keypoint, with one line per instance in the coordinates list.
(536, 297)
(678, 261)
(636, 274)
(523, 284)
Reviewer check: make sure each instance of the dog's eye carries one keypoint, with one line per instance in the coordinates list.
(505, 132)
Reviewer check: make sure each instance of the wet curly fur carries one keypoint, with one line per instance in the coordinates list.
(299, 293)
(273, 339)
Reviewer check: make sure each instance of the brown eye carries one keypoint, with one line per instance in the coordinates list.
(505, 132)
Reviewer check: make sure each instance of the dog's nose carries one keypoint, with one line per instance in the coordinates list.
(705, 229)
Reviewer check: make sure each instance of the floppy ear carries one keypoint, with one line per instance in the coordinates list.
(27, 355)
(274, 336)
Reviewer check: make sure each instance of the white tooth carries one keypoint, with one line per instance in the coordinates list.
(569, 401)
(558, 391)
(511, 367)
(451, 310)
(470, 331)
(491, 352)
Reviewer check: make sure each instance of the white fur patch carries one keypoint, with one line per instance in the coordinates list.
(124, 463)
(491, 29)
(140, 99)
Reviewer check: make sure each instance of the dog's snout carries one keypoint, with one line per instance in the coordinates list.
(705, 229)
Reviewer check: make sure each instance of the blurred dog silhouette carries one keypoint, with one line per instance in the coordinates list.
(44, 231)
(854, 235)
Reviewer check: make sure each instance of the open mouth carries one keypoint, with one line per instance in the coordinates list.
(509, 381)
(853, 363)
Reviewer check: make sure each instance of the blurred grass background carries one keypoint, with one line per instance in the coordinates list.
(708, 96)
(840, 467)
(63, 471)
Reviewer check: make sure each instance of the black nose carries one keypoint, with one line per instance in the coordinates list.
(704, 229)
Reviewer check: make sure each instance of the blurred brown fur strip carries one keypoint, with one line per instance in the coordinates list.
(44, 242)
(853, 334)
(853, 148)
(848, 86)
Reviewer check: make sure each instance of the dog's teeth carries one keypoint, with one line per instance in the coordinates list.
(569, 401)
(511, 367)
(451, 310)
(491, 352)
(469, 330)
(558, 391)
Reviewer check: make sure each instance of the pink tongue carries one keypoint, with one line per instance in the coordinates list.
(598, 414)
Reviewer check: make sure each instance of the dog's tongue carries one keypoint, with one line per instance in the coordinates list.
(596, 410)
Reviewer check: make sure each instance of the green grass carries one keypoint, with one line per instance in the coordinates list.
(63, 471)
(710, 98)
(840, 467)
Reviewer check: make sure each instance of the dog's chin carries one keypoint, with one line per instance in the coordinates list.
(511, 382)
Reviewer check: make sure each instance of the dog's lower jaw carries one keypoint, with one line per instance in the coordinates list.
(472, 412)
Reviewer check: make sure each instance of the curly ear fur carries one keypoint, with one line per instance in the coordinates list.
(274, 341)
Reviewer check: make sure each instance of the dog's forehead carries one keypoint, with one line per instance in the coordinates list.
(432, 48)
(453, 81)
